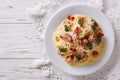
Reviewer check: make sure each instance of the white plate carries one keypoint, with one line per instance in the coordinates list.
(102, 21)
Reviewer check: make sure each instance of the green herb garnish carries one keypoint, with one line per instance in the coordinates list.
(98, 39)
(62, 49)
(89, 45)
(93, 27)
(67, 28)
(78, 57)
(80, 22)
(92, 20)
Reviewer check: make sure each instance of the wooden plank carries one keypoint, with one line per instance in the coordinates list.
(19, 41)
(13, 11)
(23, 69)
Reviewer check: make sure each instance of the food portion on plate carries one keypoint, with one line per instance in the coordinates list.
(79, 40)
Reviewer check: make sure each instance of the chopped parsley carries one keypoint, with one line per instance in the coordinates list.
(67, 28)
(93, 27)
(89, 45)
(92, 20)
(78, 57)
(98, 39)
(80, 22)
(62, 49)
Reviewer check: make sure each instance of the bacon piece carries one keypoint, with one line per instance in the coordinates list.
(95, 23)
(72, 49)
(70, 17)
(83, 19)
(70, 58)
(83, 54)
(85, 58)
(66, 37)
(94, 53)
(84, 41)
(91, 37)
(100, 34)
(77, 30)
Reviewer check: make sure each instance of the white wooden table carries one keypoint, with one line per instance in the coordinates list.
(19, 41)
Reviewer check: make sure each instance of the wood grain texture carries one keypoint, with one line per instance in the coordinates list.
(19, 70)
(13, 11)
(19, 41)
